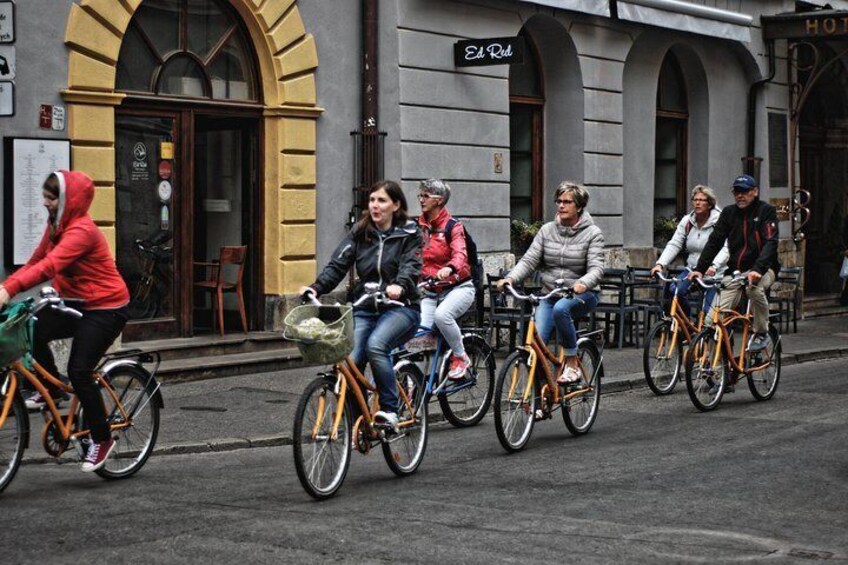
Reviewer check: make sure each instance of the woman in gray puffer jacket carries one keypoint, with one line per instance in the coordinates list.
(572, 248)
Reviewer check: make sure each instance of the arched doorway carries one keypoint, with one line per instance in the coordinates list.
(671, 142)
(822, 142)
(186, 148)
(216, 78)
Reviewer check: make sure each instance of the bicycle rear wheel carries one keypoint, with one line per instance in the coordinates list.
(579, 412)
(467, 405)
(763, 384)
(514, 416)
(136, 428)
(321, 460)
(706, 377)
(13, 437)
(404, 451)
(661, 362)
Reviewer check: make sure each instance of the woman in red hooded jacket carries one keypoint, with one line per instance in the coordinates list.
(74, 253)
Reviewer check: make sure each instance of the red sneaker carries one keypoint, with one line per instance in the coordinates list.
(97, 455)
(458, 367)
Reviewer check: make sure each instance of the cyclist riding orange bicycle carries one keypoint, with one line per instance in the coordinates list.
(446, 261)
(689, 238)
(74, 253)
(750, 228)
(385, 247)
(570, 248)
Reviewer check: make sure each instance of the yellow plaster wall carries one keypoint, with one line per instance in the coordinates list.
(285, 55)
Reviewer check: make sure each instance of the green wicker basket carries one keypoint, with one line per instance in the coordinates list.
(14, 340)
(329, 341)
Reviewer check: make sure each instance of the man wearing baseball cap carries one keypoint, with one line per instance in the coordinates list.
(750, 229)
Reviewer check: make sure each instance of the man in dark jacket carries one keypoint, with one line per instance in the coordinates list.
(750, 229)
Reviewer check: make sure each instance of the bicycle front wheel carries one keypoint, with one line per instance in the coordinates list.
(660, 360)
(320, 458)
(706, 371)
(404, 451)
(579, 411)
(12, 439)
(469, 400)
(134, 420)
(763, 384)
(515, 406)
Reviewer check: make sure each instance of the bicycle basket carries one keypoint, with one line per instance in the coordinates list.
(14, 342)
(324, 334)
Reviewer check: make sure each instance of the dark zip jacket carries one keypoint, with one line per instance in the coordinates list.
(751, 235)
(392, 257)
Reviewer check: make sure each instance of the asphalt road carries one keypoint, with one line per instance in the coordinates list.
(653, 482)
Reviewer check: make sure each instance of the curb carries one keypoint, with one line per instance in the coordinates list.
(624, 383)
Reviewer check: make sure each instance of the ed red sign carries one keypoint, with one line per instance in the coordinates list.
(165, 170)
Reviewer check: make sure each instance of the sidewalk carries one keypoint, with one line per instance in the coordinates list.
(257, 410)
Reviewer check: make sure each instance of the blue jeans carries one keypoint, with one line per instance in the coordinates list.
(683, 285)
(561, 313)
(375, 335)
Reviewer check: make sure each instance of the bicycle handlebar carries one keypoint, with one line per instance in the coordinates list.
(536, 298)
(49, 297)
(371, 293)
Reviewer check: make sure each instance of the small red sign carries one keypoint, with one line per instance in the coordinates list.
(165, 170)
(45, 116)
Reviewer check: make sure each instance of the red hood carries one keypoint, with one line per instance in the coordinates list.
(76, 193)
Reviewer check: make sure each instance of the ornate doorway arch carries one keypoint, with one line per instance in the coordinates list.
(286, 63)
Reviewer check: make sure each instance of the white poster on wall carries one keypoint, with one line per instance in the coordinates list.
(32, 161)
(7, 22)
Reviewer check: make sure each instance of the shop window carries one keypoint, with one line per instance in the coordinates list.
(525, 138)
(670, 192)
(188, 48)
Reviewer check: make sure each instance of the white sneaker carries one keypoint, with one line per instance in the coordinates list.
(389, 418)
(570, 376)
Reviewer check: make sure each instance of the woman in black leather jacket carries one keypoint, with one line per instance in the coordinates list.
(385, 247)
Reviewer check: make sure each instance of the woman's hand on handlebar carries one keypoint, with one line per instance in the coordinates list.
(579, 288)
(394, 291)
(4, 296)
(503, 282)
(656, 269)
(695, 275)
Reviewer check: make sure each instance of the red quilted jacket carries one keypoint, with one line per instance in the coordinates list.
(437, 253)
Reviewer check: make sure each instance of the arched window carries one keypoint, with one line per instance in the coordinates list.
(526, 106)
(670, 200)
(187, 48)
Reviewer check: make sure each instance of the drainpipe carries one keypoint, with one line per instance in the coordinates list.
(752, 109)
(370, 91)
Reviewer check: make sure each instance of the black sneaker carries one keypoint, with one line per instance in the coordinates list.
(759, 342)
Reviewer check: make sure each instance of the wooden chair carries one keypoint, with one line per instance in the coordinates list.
(617, 311)
(218, 285)
(785, 293)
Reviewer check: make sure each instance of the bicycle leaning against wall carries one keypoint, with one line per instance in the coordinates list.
(130, 394)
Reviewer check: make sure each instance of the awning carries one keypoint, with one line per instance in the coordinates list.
(688, 17)
(596, 7)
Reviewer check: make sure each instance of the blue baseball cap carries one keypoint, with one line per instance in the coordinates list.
(744, 183)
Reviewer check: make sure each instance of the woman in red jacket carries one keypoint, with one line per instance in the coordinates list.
(446, 261)
(73, 253)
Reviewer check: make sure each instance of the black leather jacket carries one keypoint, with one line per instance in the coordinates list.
(392, 257)
(752, 236)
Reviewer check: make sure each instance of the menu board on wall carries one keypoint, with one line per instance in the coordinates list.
(28, 162)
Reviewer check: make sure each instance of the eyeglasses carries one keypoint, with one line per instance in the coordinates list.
(427, 196)
(564, 202)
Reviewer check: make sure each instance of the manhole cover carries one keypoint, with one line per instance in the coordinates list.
(203, 408)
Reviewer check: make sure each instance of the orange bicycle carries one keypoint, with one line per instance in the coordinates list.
(521, 399)
(663, 354)
(130, 394)
(335, 415)
(712, 365)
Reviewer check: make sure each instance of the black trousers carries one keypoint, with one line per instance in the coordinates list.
(92, 335)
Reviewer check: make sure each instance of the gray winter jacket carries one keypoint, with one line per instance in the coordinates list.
(689, 237)
(575, 254)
